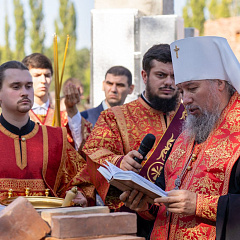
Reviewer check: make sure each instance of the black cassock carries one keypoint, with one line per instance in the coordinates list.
(228, 212)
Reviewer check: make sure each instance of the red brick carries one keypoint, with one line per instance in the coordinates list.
(19, 220)
(87, 225)
(47, 214)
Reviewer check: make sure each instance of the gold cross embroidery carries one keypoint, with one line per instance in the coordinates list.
(176, 49)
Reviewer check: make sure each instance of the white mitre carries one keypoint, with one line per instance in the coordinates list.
(200, 58)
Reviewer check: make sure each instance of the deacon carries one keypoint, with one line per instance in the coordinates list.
(119, 130)
(204, 161)
(34, 156)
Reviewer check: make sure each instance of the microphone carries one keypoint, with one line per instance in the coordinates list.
(145, 146)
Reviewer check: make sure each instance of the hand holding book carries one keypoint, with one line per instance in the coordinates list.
(128, 180)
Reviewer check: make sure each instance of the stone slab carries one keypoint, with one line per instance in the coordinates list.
(19, 220)
(88, 225)
(47, 214)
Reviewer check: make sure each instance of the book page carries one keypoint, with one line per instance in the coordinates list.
(128, 180)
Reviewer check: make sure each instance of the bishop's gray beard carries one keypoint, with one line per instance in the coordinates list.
(199, 127)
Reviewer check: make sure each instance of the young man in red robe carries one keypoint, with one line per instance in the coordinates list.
(34, 156)
(203, 165)
(119, 130)
(42, 111)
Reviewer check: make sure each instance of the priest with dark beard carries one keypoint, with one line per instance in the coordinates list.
(201, 174)
(119, 130)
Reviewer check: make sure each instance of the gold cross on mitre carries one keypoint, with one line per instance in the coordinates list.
(176, 49)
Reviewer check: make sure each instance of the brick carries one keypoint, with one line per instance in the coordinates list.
(119, 237)
(47, 214)
(19, 220)
(88, 225)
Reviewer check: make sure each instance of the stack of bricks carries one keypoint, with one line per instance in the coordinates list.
(21, 221)
(90, 223)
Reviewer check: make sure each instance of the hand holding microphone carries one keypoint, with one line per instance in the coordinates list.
(145, 146)
(132, 161)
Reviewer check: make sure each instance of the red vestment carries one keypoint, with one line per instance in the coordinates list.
(46, 160)
(209, 177)
(118, 131)
(86, 126)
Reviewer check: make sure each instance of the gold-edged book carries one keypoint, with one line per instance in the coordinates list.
(129, 180)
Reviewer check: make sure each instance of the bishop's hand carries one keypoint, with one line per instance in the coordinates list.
(179, 201)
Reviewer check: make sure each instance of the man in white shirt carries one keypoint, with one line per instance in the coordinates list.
(40, 67)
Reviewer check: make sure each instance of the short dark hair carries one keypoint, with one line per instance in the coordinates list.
(120, 71)
(160, 52)
(37, 60)
(10, 65)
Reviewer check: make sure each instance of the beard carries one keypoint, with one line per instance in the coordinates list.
(162, 104)
(200, 126)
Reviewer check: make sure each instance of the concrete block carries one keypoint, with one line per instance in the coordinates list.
(88, 225)
(19, 220)
(47, 214)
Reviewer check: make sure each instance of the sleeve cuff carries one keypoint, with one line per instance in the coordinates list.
(206, 206)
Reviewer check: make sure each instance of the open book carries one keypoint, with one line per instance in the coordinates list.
(129, 180)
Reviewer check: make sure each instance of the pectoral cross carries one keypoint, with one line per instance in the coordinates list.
(176, 49)
(177, 183)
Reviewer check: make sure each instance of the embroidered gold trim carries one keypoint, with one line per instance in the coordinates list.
(63, 159)
(18, 153)
(45, 150)
(121, 122)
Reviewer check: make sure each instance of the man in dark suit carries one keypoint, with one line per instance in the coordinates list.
(117, 85)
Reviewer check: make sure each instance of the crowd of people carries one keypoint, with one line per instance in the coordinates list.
(191, 104)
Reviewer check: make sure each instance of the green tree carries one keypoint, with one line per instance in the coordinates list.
(219, 9)
(186, 15)
(198, 17)
(193, 14)
(6, 52)
(20, 30)
(212, 7)
(37, 33)
(224, 10)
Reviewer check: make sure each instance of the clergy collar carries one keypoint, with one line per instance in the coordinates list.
(26, 129)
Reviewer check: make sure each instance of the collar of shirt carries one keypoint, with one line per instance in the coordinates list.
(41, 109)
(105, 106)
(26, 129)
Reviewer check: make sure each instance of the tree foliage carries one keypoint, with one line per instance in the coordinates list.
(193, 14)
(20, 30)
(77, 61)
(37, 33)
(6, 52)
(219, 9)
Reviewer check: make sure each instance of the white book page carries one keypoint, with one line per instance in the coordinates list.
(117, 173)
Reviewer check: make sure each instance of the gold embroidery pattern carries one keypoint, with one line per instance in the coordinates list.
(22, 184)
(154, 171)
(45, 150)
(184, 115)
(167, 147)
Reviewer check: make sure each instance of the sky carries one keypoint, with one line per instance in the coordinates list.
(50, 9)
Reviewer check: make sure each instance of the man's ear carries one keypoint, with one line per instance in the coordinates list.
(131, 89)
(144, 76)
(221, 85)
